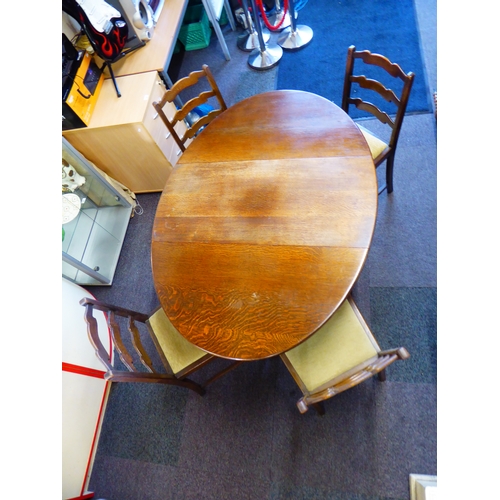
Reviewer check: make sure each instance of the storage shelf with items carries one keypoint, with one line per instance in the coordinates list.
(95, 216)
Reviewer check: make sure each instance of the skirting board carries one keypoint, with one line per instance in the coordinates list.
(423, 487)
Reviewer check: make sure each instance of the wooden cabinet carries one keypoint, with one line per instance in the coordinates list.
(125, 137)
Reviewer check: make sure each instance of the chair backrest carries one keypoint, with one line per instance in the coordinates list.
(399, 98)
(182, 113)
(139, 354)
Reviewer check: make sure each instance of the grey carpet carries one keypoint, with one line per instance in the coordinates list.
(235, 78)
(245, 439)
(132, 282)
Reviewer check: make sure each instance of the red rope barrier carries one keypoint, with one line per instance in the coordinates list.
(264, 16)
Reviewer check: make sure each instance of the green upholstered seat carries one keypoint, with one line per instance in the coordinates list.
(179, 352)
(338, 356)
(376, 145)
(340, 345)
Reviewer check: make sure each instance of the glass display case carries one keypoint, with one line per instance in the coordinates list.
(95, 217)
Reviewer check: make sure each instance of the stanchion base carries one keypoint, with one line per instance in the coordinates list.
(250, 41)
(293, 40)
(262, 60)
(275, 19)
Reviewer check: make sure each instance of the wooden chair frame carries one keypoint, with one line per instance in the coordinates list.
(182, 113)
(133, 374)
(388, 95)
(349, 379)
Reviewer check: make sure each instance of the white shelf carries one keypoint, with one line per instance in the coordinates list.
(93, 239)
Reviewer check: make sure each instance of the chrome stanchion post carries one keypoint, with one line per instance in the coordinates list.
(265, 56)
(279, 14)
(295, 36)
(250, 40)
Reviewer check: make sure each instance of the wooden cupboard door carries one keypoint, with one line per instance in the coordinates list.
(127, 153)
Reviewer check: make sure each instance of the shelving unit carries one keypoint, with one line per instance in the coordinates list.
(93, 239)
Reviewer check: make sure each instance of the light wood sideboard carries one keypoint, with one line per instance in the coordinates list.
(125, 137)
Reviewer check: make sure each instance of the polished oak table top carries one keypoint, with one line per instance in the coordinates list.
(264, 225)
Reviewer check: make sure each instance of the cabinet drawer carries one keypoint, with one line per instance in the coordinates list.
(158, 130)
(161, 135)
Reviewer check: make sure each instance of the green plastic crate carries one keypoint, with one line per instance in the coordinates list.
(195, 31)
(223, 18)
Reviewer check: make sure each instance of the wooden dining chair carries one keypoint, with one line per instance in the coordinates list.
(185, 120)
(168, 359)
(340, 355)
(381, 150)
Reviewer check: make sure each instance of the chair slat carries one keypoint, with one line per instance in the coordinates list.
(371, 108)
(199, 124)
(114, 328)
(182, 113)
(381, 61)
(139, 348)
(368, 83)
(182, 84)
(103, 355)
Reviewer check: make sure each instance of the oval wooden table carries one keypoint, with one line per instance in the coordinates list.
(264, 225)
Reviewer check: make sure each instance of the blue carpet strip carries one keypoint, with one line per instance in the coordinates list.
(387, 27)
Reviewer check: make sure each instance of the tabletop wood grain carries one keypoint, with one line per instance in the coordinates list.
(264, 225)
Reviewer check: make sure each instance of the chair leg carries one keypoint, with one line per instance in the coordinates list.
(222, 372)
(319, 407)
(382, 376)
(388, 173)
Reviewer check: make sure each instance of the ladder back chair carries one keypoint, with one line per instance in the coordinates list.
(340, 355)
(183, 112)
(381, 150)
(177, 357)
